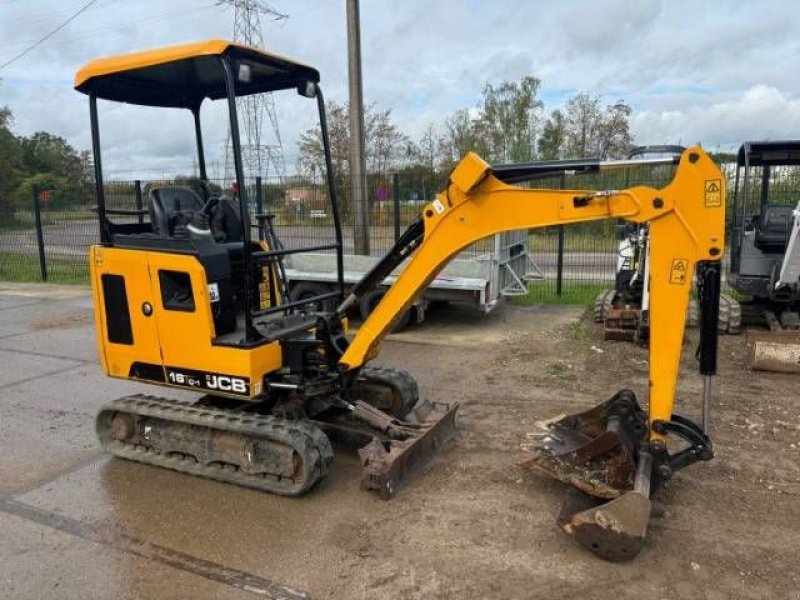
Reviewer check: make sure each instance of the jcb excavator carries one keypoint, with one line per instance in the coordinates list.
(189, 300)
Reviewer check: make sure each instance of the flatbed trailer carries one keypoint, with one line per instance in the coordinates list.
(482, 281)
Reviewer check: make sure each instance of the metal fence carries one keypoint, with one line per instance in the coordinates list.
(46, 238)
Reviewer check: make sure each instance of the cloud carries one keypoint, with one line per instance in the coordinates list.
(713, 72)
(761, 112)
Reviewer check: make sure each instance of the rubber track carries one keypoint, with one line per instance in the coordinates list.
(602, 304)
(306, 439)
(730, 315)
(400, 380)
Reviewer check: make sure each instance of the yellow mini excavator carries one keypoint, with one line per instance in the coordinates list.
(188, 299)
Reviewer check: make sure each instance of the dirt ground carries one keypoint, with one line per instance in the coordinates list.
(77, 524)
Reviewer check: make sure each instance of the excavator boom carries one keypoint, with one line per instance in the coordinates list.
(687, 230)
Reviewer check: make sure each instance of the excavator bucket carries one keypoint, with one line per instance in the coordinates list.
(595, 452)
(613, 530)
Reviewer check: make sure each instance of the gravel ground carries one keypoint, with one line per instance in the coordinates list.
(78, 524)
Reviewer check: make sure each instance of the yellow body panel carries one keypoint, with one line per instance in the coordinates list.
(170, 338)
(138, 60)
(687, 225)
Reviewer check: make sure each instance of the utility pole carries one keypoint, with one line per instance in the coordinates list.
(358, 176)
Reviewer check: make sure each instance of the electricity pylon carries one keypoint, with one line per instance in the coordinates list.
(262, 150)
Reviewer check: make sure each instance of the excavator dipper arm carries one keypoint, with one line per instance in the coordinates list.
(687, 228)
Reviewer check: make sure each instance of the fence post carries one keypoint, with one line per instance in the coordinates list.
(396, 204)
(259, 209)
(137, 190)
(37, 212)
(562, 183)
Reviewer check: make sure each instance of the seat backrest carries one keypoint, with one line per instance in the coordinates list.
(773, 227)
(166, 201)
(227, 221)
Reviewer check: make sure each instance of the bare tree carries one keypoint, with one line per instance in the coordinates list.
(594, 131)
(426, 153)
(461, 135)
(386, 145)
(615, 134)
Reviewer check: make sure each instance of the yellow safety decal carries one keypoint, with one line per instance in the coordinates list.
(713, 193)
(677, 273)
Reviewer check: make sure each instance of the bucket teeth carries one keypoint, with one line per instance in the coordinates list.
(593, 451)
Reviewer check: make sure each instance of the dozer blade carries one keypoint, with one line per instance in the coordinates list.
(622, 324)
(595, 452)
(387, 464)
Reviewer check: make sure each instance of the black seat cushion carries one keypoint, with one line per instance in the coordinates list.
(773, 227)
(172, 207)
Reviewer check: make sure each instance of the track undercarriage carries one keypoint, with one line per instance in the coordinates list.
(282, 453)
(624, 320)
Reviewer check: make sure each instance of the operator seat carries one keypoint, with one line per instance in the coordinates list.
(227, 221)
(171, 208)
(773, 228)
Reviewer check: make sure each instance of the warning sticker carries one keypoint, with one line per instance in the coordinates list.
(678, 271)
(713, 193)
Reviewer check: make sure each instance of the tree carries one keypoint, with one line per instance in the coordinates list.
(10, 164)
(553, 139)
(386, 146)
(614, 137)
(49, 162)
(312, 156)
(426, 154)
(582, 121)
(47, 153)
(594, 131)
(509, 119)
(461, 135)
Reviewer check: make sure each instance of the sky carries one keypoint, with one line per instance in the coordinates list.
(711, 72)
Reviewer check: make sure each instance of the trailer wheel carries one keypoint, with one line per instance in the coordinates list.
(370, 301)
(306, 289)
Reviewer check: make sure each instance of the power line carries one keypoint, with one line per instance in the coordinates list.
(38, 16)
(103, 30)
(49, 35)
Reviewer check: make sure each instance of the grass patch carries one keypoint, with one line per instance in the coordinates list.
(580, 330)
(561, 371)
(23, 267)
(582, 294)
(580, 242)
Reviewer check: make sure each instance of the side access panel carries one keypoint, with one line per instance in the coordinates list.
(122, 290)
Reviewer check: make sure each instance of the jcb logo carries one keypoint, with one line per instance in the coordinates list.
(224, 383)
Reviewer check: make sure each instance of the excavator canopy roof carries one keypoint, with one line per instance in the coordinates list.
(182, 76)
(778, 152)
